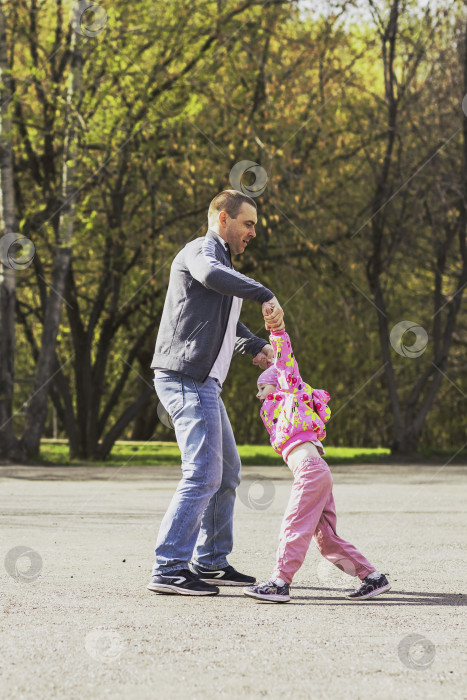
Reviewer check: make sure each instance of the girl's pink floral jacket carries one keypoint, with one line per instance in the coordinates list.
(295, 412)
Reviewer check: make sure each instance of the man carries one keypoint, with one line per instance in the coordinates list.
(198, 334)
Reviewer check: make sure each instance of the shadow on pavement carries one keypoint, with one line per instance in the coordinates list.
(416, 597)
(386, 599)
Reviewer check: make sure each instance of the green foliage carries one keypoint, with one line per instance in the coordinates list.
(173, 95)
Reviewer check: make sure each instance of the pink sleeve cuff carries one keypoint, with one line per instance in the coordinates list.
(281, 332)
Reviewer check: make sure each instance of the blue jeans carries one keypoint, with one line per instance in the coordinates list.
(198, 525)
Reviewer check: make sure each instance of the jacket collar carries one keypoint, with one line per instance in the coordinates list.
(212, 234)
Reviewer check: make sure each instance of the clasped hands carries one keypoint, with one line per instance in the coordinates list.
(273, 321)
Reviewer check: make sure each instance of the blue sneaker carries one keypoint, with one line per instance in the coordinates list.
(370, 587)
(269, 591)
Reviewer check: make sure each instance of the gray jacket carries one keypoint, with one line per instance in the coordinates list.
(197, 308)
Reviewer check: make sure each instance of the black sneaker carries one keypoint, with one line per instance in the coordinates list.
(370, 587)
(223, 577)
(269, 591)
(182, 581)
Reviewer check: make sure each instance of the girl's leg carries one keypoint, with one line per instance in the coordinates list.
(342, 554)
(310, 492)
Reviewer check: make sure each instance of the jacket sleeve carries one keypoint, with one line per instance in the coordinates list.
(246, 342)
(288, 375)
(204, 266)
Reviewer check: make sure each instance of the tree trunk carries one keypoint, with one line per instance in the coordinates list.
(9, 446)
(406, 443)
(37, 408)
(375, 263)
(127, 416)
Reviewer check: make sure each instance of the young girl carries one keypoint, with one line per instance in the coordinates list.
(294, 415)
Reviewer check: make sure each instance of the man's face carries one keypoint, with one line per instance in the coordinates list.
(240, 231)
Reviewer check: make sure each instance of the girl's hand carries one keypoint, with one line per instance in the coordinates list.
(273, 315)
(269, 328)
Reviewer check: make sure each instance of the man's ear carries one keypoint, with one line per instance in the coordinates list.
(223, 216)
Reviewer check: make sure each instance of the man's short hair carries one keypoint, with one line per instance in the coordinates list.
(229, 201)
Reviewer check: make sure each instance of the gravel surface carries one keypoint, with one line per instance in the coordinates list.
(77, 620)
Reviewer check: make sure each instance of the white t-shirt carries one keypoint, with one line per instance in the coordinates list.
(221, 366)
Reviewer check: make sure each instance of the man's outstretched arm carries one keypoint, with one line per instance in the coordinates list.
(212, 274)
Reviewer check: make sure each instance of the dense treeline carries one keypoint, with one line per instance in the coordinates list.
(118, 127)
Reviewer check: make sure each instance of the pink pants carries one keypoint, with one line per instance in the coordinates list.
(311, 513)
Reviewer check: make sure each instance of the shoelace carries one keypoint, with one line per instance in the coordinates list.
(270, 583)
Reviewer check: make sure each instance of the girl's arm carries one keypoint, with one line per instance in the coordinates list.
(288, 375)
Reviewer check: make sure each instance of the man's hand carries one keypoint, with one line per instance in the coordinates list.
(264, 358)
(273, 315)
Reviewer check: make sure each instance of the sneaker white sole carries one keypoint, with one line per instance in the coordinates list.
(372, 594)
(269, 598)
(167, 588)
(220, 582)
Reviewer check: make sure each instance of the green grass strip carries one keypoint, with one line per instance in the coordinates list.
(167, 453)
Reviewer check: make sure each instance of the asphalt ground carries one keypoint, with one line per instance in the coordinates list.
(77, 620)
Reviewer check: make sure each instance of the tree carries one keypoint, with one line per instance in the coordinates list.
(8, 225)
(385, 237)
(46, 361)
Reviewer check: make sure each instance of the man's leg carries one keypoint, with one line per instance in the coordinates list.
(215, 539)
(194, 408)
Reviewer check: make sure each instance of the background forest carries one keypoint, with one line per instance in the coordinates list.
(119, 123)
